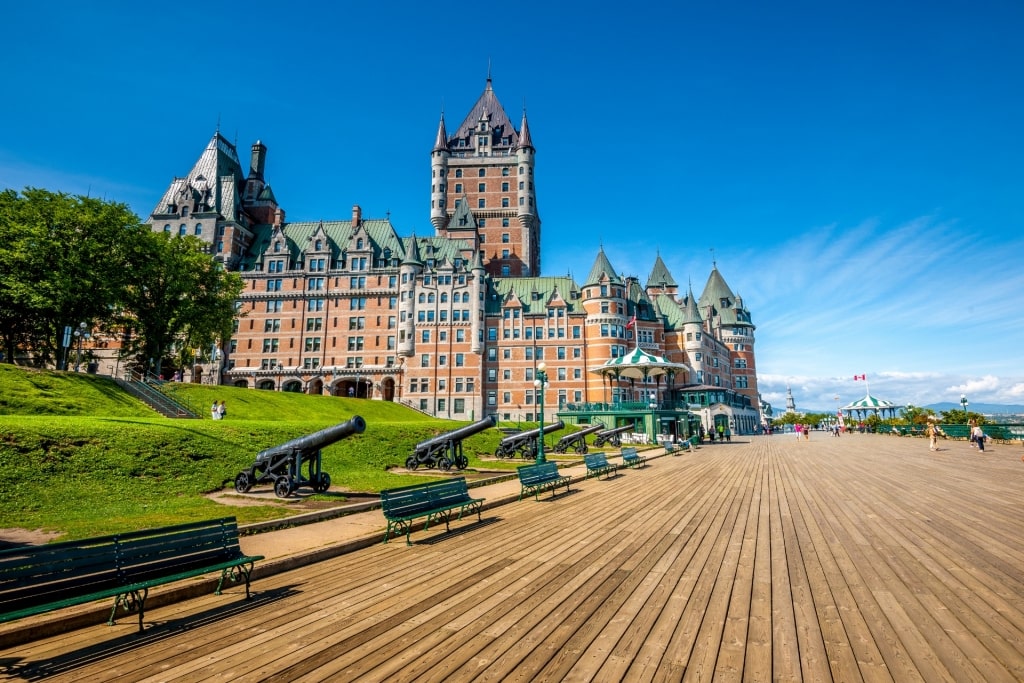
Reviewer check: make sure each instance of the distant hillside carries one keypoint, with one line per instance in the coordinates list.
(983, 408)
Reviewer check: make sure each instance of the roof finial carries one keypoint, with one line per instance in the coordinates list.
(488, 69)
(714, 263)
(218, 123)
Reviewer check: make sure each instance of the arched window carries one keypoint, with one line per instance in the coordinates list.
(167, 227)
(199, 229)
(430, 298)
(481, 172)
(444, 297)
(359, 243)
(319, 245)
(182, 230)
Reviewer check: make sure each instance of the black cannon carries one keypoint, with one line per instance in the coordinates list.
(445, 450)
(577, 441)
(611, 436)
(282, 464)
(525, 443)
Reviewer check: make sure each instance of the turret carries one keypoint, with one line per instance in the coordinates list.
(408, 272)
(439, 178)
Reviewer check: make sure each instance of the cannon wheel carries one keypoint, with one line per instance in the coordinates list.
(462, 462)
(582, 448)
(444, 464)
(282, 487)
(411, 463)
(242, 482)
(323, 483)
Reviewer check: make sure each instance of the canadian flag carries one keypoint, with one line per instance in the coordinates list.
(857, 377)
(632, 322)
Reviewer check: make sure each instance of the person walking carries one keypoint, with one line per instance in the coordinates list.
(222, 411)
(930, 433)
(979, 438)
(215, 411)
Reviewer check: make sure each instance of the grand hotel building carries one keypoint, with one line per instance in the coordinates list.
(452, 323)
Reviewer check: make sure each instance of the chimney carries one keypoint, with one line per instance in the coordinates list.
(357, 215)
(278, 217)
(258, 160)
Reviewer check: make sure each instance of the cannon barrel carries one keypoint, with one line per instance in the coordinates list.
(457, 434)
(583, 432)
(316, 440)
(534, 433)
(609, 432)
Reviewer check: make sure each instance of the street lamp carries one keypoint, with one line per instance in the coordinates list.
(541, 383)
(80, 334)
(963, 403)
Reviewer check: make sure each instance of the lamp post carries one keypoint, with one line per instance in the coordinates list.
(80, 334)
(963, 404)
(541, 383)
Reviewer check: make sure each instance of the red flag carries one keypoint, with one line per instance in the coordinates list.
(857, 377)
(632, 322)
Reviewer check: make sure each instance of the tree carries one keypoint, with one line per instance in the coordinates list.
(63, 260)
(180, 301)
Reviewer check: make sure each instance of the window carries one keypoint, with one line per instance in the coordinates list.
(504, 186)
(481, 172)
(481, 203)
(199, 229)
(458, 173)
(314, 324)
(458, 189)
(272, 325)
(270, 346)
(481, 187)
(312, 344)
(274, 306)
(741, 363)
(182, 229)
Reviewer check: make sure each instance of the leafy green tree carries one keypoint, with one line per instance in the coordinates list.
(180, 301)
(63, 260)
(915, 415)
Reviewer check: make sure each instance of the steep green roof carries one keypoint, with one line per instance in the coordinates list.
(384, 241)
(602, 266)
(534, 293)
(660, 277)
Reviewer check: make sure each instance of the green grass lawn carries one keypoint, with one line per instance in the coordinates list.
(82, 458)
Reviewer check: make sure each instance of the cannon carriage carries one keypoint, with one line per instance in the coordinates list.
(525, 443)
(444, 451)
(611, 436)
(282, 465)
(576, 441)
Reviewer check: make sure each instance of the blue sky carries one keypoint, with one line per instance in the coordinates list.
(856, 168)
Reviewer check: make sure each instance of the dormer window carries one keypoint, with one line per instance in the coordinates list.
(359, 243)
(184, 211)
(318, 245)
(277, 247)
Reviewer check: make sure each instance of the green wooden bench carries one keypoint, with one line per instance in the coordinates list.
(630, 458)
(43, 578)
(597, 464)
(536, 478)
(433, 500)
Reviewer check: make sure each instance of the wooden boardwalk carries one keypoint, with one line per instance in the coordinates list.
(860, 558)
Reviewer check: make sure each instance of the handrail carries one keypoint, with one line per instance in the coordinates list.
(159, 398)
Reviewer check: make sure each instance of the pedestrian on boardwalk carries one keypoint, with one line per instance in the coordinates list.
(929, 431)
(979, 438)
(797, 428)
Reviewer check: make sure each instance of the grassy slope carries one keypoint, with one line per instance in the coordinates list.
(83, 458)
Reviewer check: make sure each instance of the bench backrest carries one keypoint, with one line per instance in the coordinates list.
(532, 474)
(153, 553)
(38, 575)
(629, 452)
(410, 500)
(595, 460)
